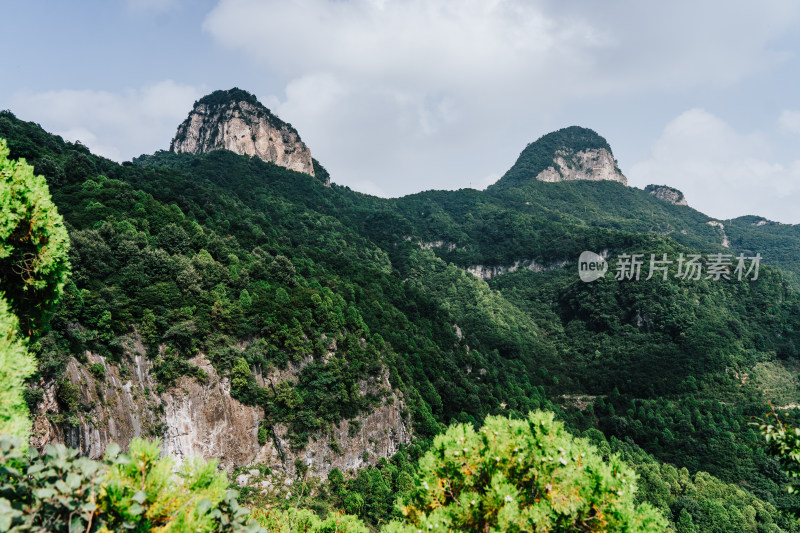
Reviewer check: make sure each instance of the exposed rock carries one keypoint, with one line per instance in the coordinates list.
(595, 164)
(437, 244)
(378, 433)
(123, 404)
(568, 154)
(725, 241)
(667, 194)
(234, 120)
(201, 418)
(487, 272)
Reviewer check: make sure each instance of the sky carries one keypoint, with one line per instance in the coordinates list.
(398, 96)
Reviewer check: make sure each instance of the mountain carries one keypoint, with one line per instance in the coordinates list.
(235, 120)
(569, 154)
(245, 311)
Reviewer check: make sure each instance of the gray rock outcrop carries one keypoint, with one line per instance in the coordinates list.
(201, 418)
(667, 194)
(596, 164)
(234, 120)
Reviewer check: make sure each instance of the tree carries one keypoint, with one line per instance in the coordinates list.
(685, 523)
(522, 475)
(33, 269)
(149, 331)
(783, 443)
(33, 244)
(243, 384)
(16, 364)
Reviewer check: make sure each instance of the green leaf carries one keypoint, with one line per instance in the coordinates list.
(76, 524)
(73, 480)
(35, 468)
(139, 497)
(135, 509)
(44, 493)
(112, 450)
(89, 468)
(12, 471)
(203, 506)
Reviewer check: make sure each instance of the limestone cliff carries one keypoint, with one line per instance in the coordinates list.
(202, 418)
(667, 194)
(235, 120)
(487, 272)
(595, 164)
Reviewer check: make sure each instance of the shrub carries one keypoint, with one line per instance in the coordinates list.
(69, 396)
(138, 491)
(522, 475)
(98, 370)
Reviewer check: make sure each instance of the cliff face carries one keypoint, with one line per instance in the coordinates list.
(487, 272)
(595, 164)
(667, 194)
(234, 120)
(118, 407)
(202, 418)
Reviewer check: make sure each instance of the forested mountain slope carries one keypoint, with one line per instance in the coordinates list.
(315, 306)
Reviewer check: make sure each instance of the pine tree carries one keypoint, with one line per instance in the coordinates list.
(522, 475)
(33, 244)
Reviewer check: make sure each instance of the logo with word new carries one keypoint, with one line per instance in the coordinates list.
(591, 266)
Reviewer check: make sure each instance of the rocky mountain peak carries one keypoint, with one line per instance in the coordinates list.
(235, 120)
(667, 194)
(568, 154)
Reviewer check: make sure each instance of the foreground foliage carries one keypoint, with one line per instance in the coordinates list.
(137, 491)
(33, 243)
(16, 364)
(523, 475)
(33, 269)
(783, 442)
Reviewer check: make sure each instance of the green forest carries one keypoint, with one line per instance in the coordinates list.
(537, 402)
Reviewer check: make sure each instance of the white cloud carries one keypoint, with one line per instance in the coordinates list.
(87, 138)
(117, 125)
(387, 90)
(722, 172)
(426, 45)
(790, 121)
(417, 94)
